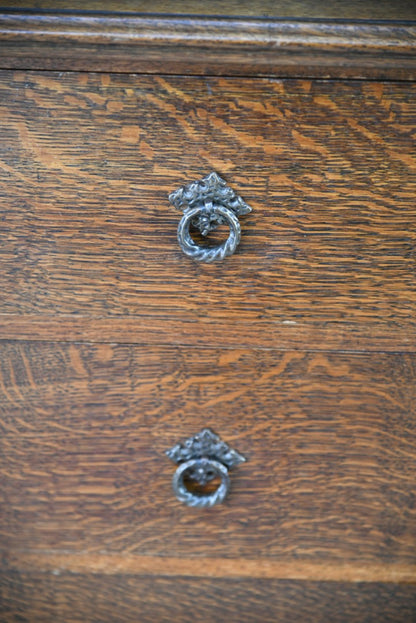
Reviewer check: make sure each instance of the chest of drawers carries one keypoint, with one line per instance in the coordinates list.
(299, 350)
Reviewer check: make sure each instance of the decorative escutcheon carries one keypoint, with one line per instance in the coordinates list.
(202, 458)
(206, 204)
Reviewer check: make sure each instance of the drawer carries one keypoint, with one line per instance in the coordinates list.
(328, 439)
(326, 495)
(89, 246)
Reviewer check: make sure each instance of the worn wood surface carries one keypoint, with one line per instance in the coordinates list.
(44, 598)
(88, 247)
(320, 523)
(336, 9)
(222, 45)
(85, 563)
(329, 441)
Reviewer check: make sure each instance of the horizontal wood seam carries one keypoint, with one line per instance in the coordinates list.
(155, 330)
(223, 15)
(190, 347)
(112, 564)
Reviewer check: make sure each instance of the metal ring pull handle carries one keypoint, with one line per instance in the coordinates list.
(208, 254)
(203, 458)
(207, 204)
(202, 471)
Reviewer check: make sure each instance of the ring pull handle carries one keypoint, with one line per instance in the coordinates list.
(203, 459)
(207, 204)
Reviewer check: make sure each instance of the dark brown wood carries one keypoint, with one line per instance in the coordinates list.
(209, 45)
(44, 598)
(320, 524)
(327, 490)
(295, 9)
(206, 567)
(88, 238)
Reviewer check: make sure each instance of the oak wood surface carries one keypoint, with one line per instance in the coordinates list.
(336, 9)
(46, 598)
(209, 45)
(88, 238)
(320, 523)
(86, 563)
(329, 441)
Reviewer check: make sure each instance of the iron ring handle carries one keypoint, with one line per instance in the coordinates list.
(206, 204)
(202, 458)
(208, 254)
(201, 501)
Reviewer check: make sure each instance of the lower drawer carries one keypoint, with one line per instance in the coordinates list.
(97, 598)
(327, 491)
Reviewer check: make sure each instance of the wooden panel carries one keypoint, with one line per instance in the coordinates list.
(88, 239)
(354, 9)
(329, 442)
(195, 45)
(41, 598)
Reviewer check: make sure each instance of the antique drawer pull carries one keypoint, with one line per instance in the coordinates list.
(202, 459)
(206, 204)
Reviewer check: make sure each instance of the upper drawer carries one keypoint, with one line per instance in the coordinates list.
(88, 238)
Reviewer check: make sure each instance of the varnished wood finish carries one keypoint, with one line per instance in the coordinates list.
(88, 238)
(206, 567)
(292, 9)
(123, 346)
(45, 598)
(181, 44)
(329, 441)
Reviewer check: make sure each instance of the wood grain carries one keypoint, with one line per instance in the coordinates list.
(206, 567)
(320, 524)
(88, 239)
(46, 598)
(208, 45)
(338, 9)
(329, 442)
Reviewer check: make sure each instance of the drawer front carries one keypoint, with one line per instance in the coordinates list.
(101, 598)
(329, 442)
(89, 247)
